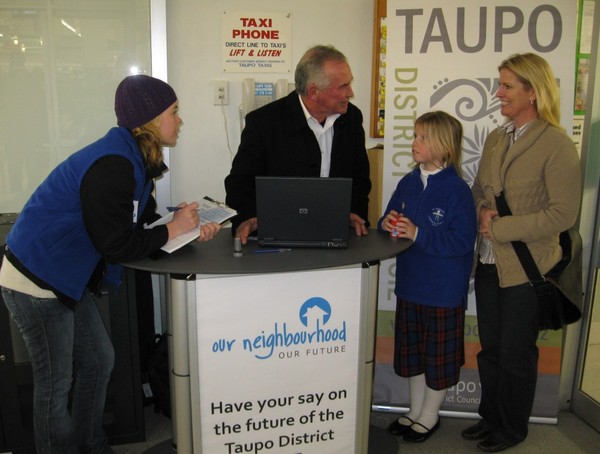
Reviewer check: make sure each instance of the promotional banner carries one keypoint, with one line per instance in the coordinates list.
(444, 55)
(256, 42)
(278, 362)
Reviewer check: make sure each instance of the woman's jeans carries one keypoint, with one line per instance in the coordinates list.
(69, 351)
(508, 360)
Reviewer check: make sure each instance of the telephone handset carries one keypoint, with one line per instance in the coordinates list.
(282, 88)
(248, 91)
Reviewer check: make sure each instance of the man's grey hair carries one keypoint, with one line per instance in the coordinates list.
(310, 67)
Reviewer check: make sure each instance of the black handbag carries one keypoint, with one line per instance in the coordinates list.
(559, 292)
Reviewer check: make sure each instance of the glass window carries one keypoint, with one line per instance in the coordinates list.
(60, 63)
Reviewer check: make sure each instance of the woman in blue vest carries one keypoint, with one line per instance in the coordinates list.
(84, 219)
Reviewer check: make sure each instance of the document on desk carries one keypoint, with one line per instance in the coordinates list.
(212, 211)
(209, 210)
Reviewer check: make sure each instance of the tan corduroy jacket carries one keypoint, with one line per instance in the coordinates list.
(541, 179)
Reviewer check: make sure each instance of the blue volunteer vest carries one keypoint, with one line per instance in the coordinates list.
(49, 237)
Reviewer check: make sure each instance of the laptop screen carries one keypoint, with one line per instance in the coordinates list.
(303, 211)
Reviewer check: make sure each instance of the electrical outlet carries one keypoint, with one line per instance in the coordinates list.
(220, 95)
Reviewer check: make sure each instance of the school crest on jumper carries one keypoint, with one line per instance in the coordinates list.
(437, 217)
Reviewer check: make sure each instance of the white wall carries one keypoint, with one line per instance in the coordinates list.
(201, 160)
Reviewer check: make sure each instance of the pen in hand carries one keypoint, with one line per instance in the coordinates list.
(173, 209)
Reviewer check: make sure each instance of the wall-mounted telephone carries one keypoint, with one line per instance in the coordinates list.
(257, 94)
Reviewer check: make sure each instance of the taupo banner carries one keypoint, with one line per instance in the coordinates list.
(444, 55)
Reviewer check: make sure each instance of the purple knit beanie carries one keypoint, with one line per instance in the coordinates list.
(141, 98)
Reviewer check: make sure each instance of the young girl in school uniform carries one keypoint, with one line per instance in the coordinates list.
(432, 206)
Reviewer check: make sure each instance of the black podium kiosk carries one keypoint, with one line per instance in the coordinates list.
(214, 296)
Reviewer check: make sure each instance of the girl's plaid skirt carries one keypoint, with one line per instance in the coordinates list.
(429, 340)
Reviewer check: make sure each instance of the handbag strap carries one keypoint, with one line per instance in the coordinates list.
(521, 249)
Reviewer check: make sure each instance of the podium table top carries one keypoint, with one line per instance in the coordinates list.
(215, 257)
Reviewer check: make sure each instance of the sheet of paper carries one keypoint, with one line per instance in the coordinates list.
(212, 211)
(179, 241)
(209, 210)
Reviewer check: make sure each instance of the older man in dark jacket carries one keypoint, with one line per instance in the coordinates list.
(314, 131)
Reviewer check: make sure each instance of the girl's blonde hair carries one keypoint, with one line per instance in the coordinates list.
(443, 136)
(148, 139)
(535, 72)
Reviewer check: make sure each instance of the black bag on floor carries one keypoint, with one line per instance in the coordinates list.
(156, 375)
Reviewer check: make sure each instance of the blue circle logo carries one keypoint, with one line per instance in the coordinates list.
(313, 310)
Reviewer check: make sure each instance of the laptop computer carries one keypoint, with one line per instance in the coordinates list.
(303, 212)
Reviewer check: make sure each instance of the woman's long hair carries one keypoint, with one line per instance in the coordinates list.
(535, 72)
(148, 139)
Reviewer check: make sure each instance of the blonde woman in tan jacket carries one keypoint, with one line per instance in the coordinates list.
(532, 160)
